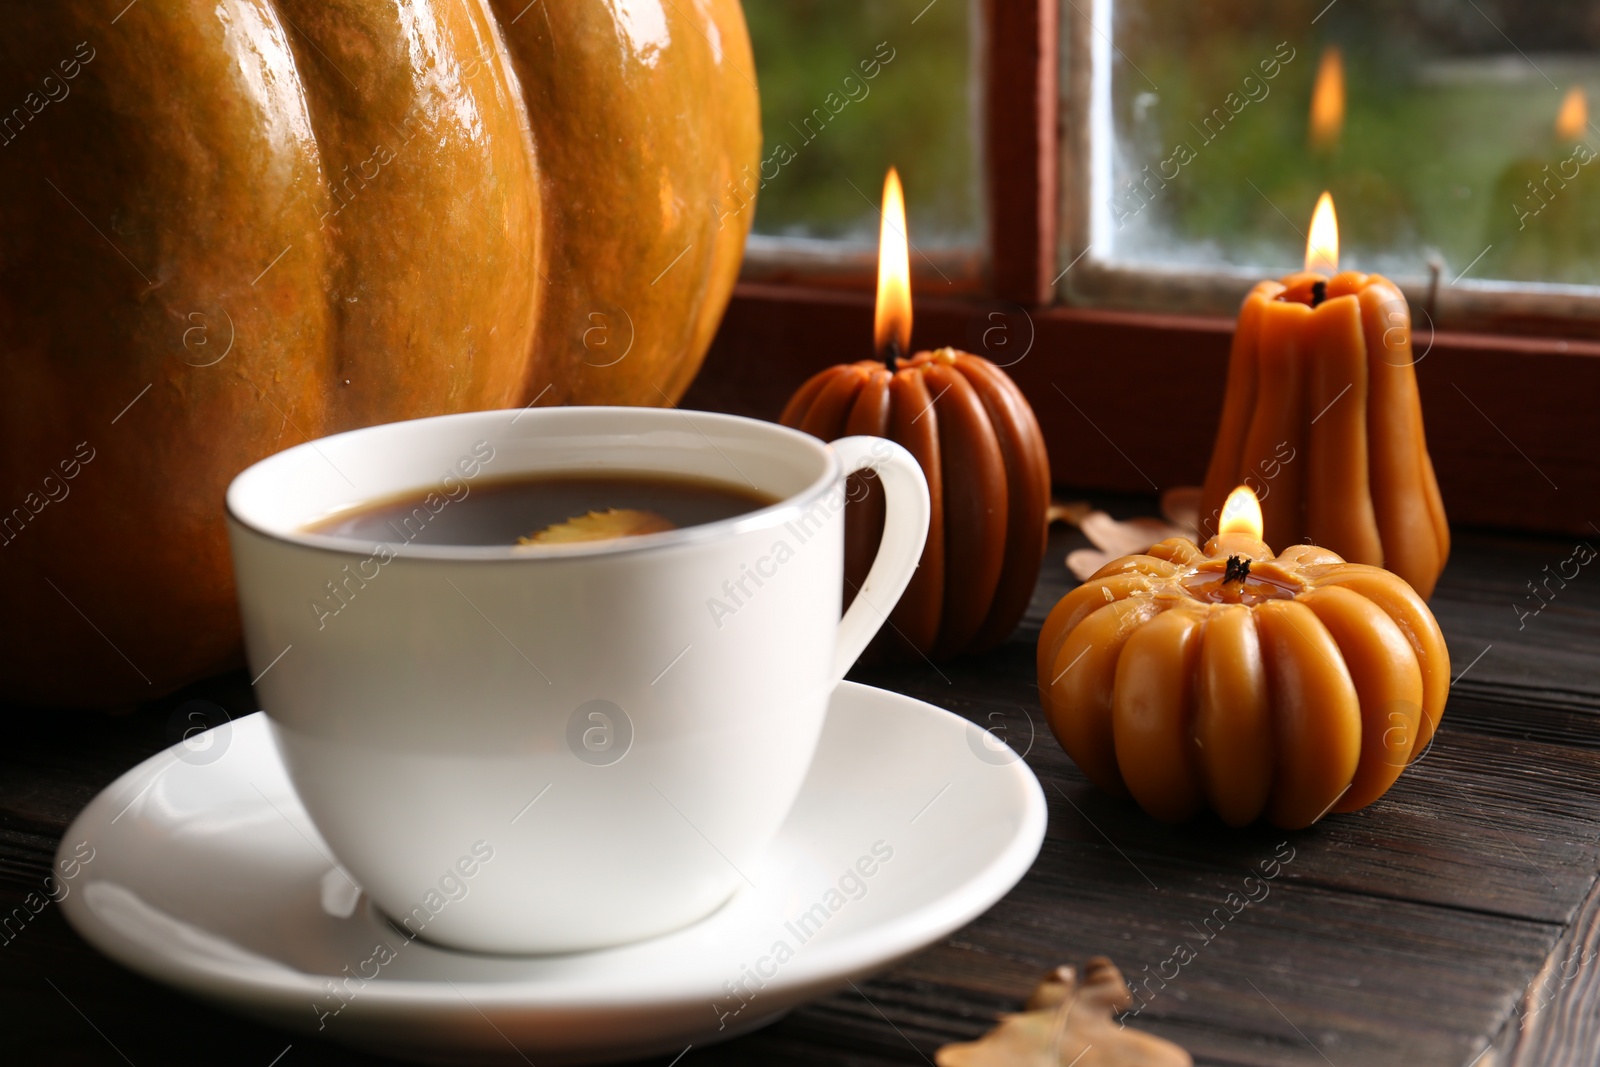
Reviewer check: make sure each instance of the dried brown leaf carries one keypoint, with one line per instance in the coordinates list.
(1083, 562)
(1068, 1021)
(1126, 537)
(1115, 538)
(1070, 512)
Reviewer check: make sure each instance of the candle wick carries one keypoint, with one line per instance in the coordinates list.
(891, 355)
(1319, 293)
(1238, 569)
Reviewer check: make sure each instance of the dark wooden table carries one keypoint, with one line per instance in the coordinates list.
(1455, 922)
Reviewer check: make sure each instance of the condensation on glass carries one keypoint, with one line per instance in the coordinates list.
(847, 89)
(1456, 140)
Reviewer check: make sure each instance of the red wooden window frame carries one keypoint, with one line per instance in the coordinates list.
(1129, 401)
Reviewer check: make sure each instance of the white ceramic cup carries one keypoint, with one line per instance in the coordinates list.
(562, 747)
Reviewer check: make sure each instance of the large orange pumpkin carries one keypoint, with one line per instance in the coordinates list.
(988, 474)
(227, 226)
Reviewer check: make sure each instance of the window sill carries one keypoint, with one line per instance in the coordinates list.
(1129, 400)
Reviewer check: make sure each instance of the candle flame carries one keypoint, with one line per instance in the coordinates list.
(1322, 247)
(1574, 114)
(1241, 513)
(1327, 101)
(891, 322)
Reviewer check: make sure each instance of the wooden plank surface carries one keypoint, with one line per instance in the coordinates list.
(1555, 1023)
(1456, 920)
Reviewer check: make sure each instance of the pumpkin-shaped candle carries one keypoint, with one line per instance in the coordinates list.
(1256, 685)
(980, 447)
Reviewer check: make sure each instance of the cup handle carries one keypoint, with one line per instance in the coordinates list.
(905, 529)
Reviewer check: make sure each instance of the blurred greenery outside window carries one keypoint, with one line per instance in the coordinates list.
(1455, 137)
(849, 88)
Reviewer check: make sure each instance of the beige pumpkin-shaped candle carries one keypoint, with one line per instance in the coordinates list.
(1228, 678)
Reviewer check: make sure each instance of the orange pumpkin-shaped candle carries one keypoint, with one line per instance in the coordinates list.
(1256, 685)
(980, 447)
(1322, 418)
(988, 482)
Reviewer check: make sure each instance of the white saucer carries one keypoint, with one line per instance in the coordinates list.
(207, 874)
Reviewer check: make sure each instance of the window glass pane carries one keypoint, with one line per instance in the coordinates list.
(1460, 137)
(849, 88)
